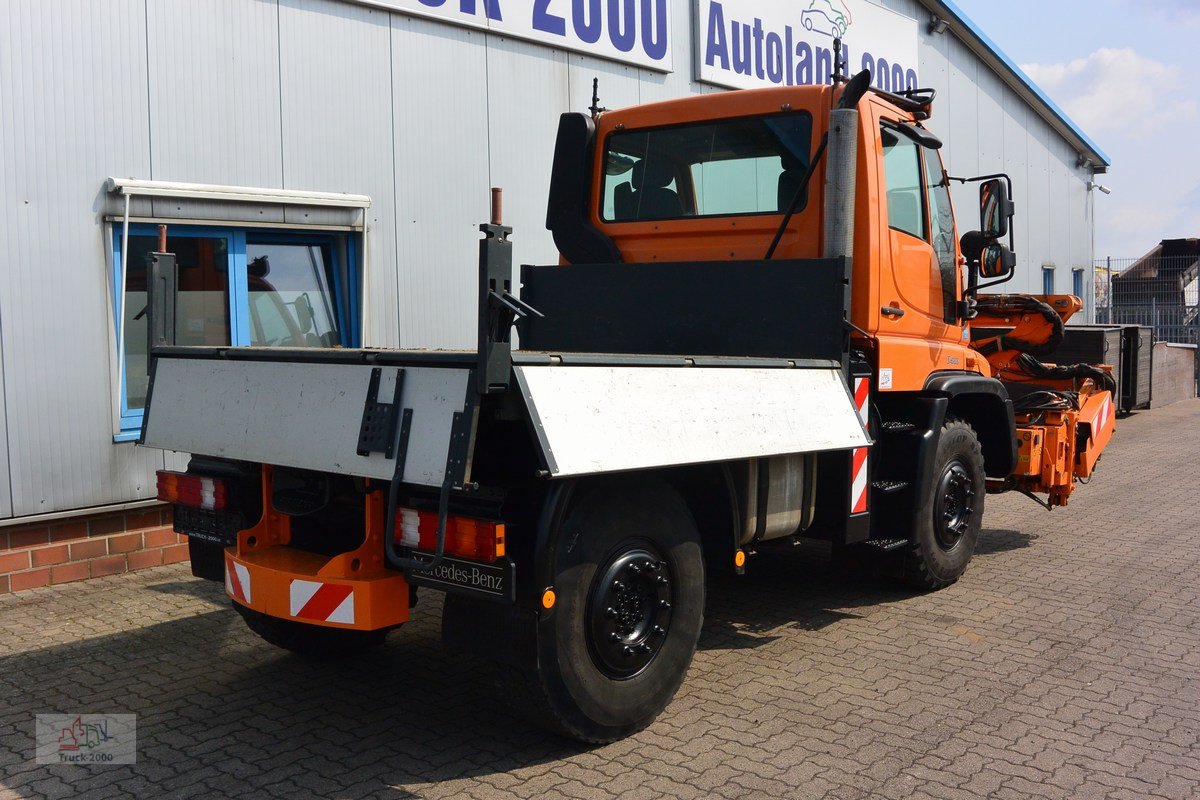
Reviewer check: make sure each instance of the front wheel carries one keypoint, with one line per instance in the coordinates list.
(946, 526)
(629, 581)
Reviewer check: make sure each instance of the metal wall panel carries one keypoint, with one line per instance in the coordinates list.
(214, 91)
(439, 97)
(5, 484)
(1034, 198)
(657, 86)
(337, 131)
(72, 112)
(620, 84)
(522, 126)
(1058, 222)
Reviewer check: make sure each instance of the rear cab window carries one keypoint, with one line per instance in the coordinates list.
(749, 165)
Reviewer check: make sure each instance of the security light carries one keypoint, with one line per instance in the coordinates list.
(1093, 185)
(937, 24)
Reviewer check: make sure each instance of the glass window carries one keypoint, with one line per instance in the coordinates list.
(234, 287)
(1047, 280)
(739, 166)
(1077, 284)
(902, 173)
(202, 302)
(941, 229)
(291, 294)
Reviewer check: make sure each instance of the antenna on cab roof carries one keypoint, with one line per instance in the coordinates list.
(595, 108)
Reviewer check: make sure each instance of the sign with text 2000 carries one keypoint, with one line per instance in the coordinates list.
(630, 31)
(747, 43)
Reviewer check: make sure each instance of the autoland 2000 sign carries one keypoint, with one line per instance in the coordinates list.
(743, 44)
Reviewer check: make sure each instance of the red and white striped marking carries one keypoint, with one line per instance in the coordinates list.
(237, 581)
(859, 470)
(1105, 410)
(322, 602)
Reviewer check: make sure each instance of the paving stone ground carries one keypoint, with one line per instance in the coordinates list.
(1065, 664)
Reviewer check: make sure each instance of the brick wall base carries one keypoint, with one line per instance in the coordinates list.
(87, 547)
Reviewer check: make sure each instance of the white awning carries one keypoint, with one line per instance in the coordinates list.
(235, 194)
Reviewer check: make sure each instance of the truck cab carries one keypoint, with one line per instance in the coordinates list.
(716, 188)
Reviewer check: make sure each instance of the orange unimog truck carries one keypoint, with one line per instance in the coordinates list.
(760, 329)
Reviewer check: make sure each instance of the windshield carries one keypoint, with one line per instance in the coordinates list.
(738, 166)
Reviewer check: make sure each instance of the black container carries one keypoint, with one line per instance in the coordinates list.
(1094, 344)
(1137, 369)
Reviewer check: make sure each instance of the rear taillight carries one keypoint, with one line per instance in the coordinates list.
(191, 490)
(476, 539)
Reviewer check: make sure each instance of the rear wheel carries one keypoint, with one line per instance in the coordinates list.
(629, 580)
(314, 641)
(946, 526)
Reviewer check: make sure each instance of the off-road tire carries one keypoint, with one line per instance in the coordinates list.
(573, 692)
(311, 641)
(946, 526)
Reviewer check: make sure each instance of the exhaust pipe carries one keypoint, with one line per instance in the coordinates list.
(841, 174)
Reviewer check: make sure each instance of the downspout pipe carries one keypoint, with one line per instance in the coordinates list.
(124, 269)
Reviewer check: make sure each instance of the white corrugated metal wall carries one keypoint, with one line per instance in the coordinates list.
(338, 96)
(987, 128)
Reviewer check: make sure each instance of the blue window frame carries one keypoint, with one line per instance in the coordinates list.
(1077, 284)
(1047, 280)
(238, 286)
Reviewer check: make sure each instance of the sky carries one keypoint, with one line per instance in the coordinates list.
(1127, 72)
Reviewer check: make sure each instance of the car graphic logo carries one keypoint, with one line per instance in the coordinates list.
(828, 17)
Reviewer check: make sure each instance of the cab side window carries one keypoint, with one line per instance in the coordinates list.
(905, 195)
(942, 230)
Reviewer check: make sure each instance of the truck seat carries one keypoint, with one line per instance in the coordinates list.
(653, 200)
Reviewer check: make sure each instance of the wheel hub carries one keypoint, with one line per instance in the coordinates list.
(629, 612)
(954, 504)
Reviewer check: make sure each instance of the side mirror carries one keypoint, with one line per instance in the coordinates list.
(304, 313)
(997, 261)
(995, 209)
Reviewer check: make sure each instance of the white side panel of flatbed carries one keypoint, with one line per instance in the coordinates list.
(594, 419)
(304, 415)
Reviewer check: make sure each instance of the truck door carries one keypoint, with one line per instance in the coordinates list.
(921, 235)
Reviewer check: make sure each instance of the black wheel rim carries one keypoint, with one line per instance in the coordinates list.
(954, 503)
(629, 611)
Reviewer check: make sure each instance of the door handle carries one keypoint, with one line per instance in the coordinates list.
(892, 311)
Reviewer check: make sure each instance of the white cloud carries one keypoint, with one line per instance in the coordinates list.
(1118, 91)
(1173, 12)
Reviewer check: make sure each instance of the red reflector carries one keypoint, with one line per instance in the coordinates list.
(191, 490)
(475, 539)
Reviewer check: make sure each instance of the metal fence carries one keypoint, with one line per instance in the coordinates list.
(1156, 290)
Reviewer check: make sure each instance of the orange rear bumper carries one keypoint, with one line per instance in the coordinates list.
(352, 590)
(292, 584)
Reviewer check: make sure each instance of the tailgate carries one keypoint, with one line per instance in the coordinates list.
(309, 414)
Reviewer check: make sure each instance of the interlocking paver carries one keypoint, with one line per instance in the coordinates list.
(1066, 663)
